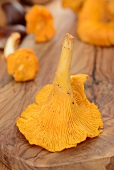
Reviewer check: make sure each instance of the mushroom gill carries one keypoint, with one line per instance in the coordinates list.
(62, 116)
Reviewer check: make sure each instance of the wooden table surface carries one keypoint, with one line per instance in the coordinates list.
(98, 63)
(3, 166)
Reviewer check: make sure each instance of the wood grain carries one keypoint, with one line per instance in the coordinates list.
(3, 167)
(95, 154)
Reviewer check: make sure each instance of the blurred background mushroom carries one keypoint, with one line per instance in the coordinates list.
(12, 13)
(40, 22)
(95, 23)
(6, 31)
(12, 16)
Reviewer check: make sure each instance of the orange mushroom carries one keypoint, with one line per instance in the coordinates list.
(62, 116)
(96, 22)
(22, 64)
(39, 21)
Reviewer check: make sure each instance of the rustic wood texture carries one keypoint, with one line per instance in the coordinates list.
(3, 167)
(94, 154)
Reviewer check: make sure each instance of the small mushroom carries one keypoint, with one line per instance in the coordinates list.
(12, 13)
(22, 64)
(6, 31)
(62, 116)
(39, 21)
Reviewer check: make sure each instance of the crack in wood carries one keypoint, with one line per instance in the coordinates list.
(94, 81)
(110, 166)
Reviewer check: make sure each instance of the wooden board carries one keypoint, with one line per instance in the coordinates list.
(3, 166)
(94, 154)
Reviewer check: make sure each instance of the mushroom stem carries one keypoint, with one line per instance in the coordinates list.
(12, 44)
(62, 76)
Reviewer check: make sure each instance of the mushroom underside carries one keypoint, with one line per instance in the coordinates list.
(55, 122)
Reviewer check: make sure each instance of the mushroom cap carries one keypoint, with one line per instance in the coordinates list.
(96, 22)
(40, 23)
(55, 122)
(22, 65)
(75, 5)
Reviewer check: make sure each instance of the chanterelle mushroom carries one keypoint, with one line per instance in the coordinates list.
(96, 22)
(39, 21)
(62, 116)
(22, 64)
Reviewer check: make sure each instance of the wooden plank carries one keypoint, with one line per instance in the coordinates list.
(3, 167)
(104, 81)
(105, 64)
(95, 154)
